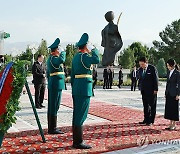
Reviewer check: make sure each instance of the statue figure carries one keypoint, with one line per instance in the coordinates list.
(111, 40)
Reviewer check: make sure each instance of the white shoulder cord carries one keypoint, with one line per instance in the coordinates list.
(84, 64)
(53, 65)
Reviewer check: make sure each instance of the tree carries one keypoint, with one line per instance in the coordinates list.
(139, 51)
(100, 57)
(42, 49)
(161, 67)
(27, 55)
(70, 52)
(170, 44)
(127, 59)
(153, 56)
(132, 54)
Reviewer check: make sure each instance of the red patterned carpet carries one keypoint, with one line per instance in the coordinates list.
(123, 131)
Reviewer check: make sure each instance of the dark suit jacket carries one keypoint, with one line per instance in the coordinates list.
(38, 72)
(95, 75)
(173, 84)
(120, 75)
(131, 75)
(105, 74)
(148, 83)
(110, 74)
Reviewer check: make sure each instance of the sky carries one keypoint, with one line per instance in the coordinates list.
(32, 20)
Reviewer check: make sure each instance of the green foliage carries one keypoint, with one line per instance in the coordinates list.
(161, 67)
(100, 57)
(132, 54)
(70, 52)
(170, 44)
(127, 82)
(8, 58)
(163, 79)
(127, 59)
(115, 83)
(42, 49)
(139, 51)
(154, 56)
(13, 103)
(27, 55)
(26, 62)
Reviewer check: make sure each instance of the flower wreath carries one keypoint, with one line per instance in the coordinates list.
(12, 80)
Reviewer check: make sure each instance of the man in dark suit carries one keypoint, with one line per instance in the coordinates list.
(149, 89)
(110, 77)
(133, 77)
(105, 76)
(120, 77)
(38, 71)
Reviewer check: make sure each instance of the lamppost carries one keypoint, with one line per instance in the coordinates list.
(34, 50)
(3, 35)
(1, 41)
(33, 53)
(13, 54)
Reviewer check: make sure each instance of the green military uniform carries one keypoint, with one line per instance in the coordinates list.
(82, 87)
(56, 84)
(81, 81)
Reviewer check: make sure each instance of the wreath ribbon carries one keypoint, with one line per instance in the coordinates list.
(4, 75)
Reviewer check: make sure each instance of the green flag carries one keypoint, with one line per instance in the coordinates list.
(6, 35)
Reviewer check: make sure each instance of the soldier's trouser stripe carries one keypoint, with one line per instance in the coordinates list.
(54, 100)
(80, 110)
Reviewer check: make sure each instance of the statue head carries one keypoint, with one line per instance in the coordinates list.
(109, 16)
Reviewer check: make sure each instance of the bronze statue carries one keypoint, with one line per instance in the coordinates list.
(111, 40)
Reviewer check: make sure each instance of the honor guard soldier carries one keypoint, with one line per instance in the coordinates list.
(56, 76)
(81, 81)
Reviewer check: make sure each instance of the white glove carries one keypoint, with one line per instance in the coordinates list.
(90, 47)
(61, 49)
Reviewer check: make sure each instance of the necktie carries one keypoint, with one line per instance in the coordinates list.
(144, 72)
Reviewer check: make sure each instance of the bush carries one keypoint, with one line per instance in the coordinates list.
(115, 83)
(127, 83)
(163, 79)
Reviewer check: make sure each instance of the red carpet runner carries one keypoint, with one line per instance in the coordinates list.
(123, 131)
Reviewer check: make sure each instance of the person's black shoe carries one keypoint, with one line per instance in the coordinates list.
(56, 131)
(143, 122)
(81, 146)
(77, 138)
(168, 128)
(38, 107)
(171, 128)
(42, 106)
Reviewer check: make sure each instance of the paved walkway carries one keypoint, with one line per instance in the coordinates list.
(122, 97)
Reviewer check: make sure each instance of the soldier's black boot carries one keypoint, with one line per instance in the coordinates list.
(52, 124)
(77, 138)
